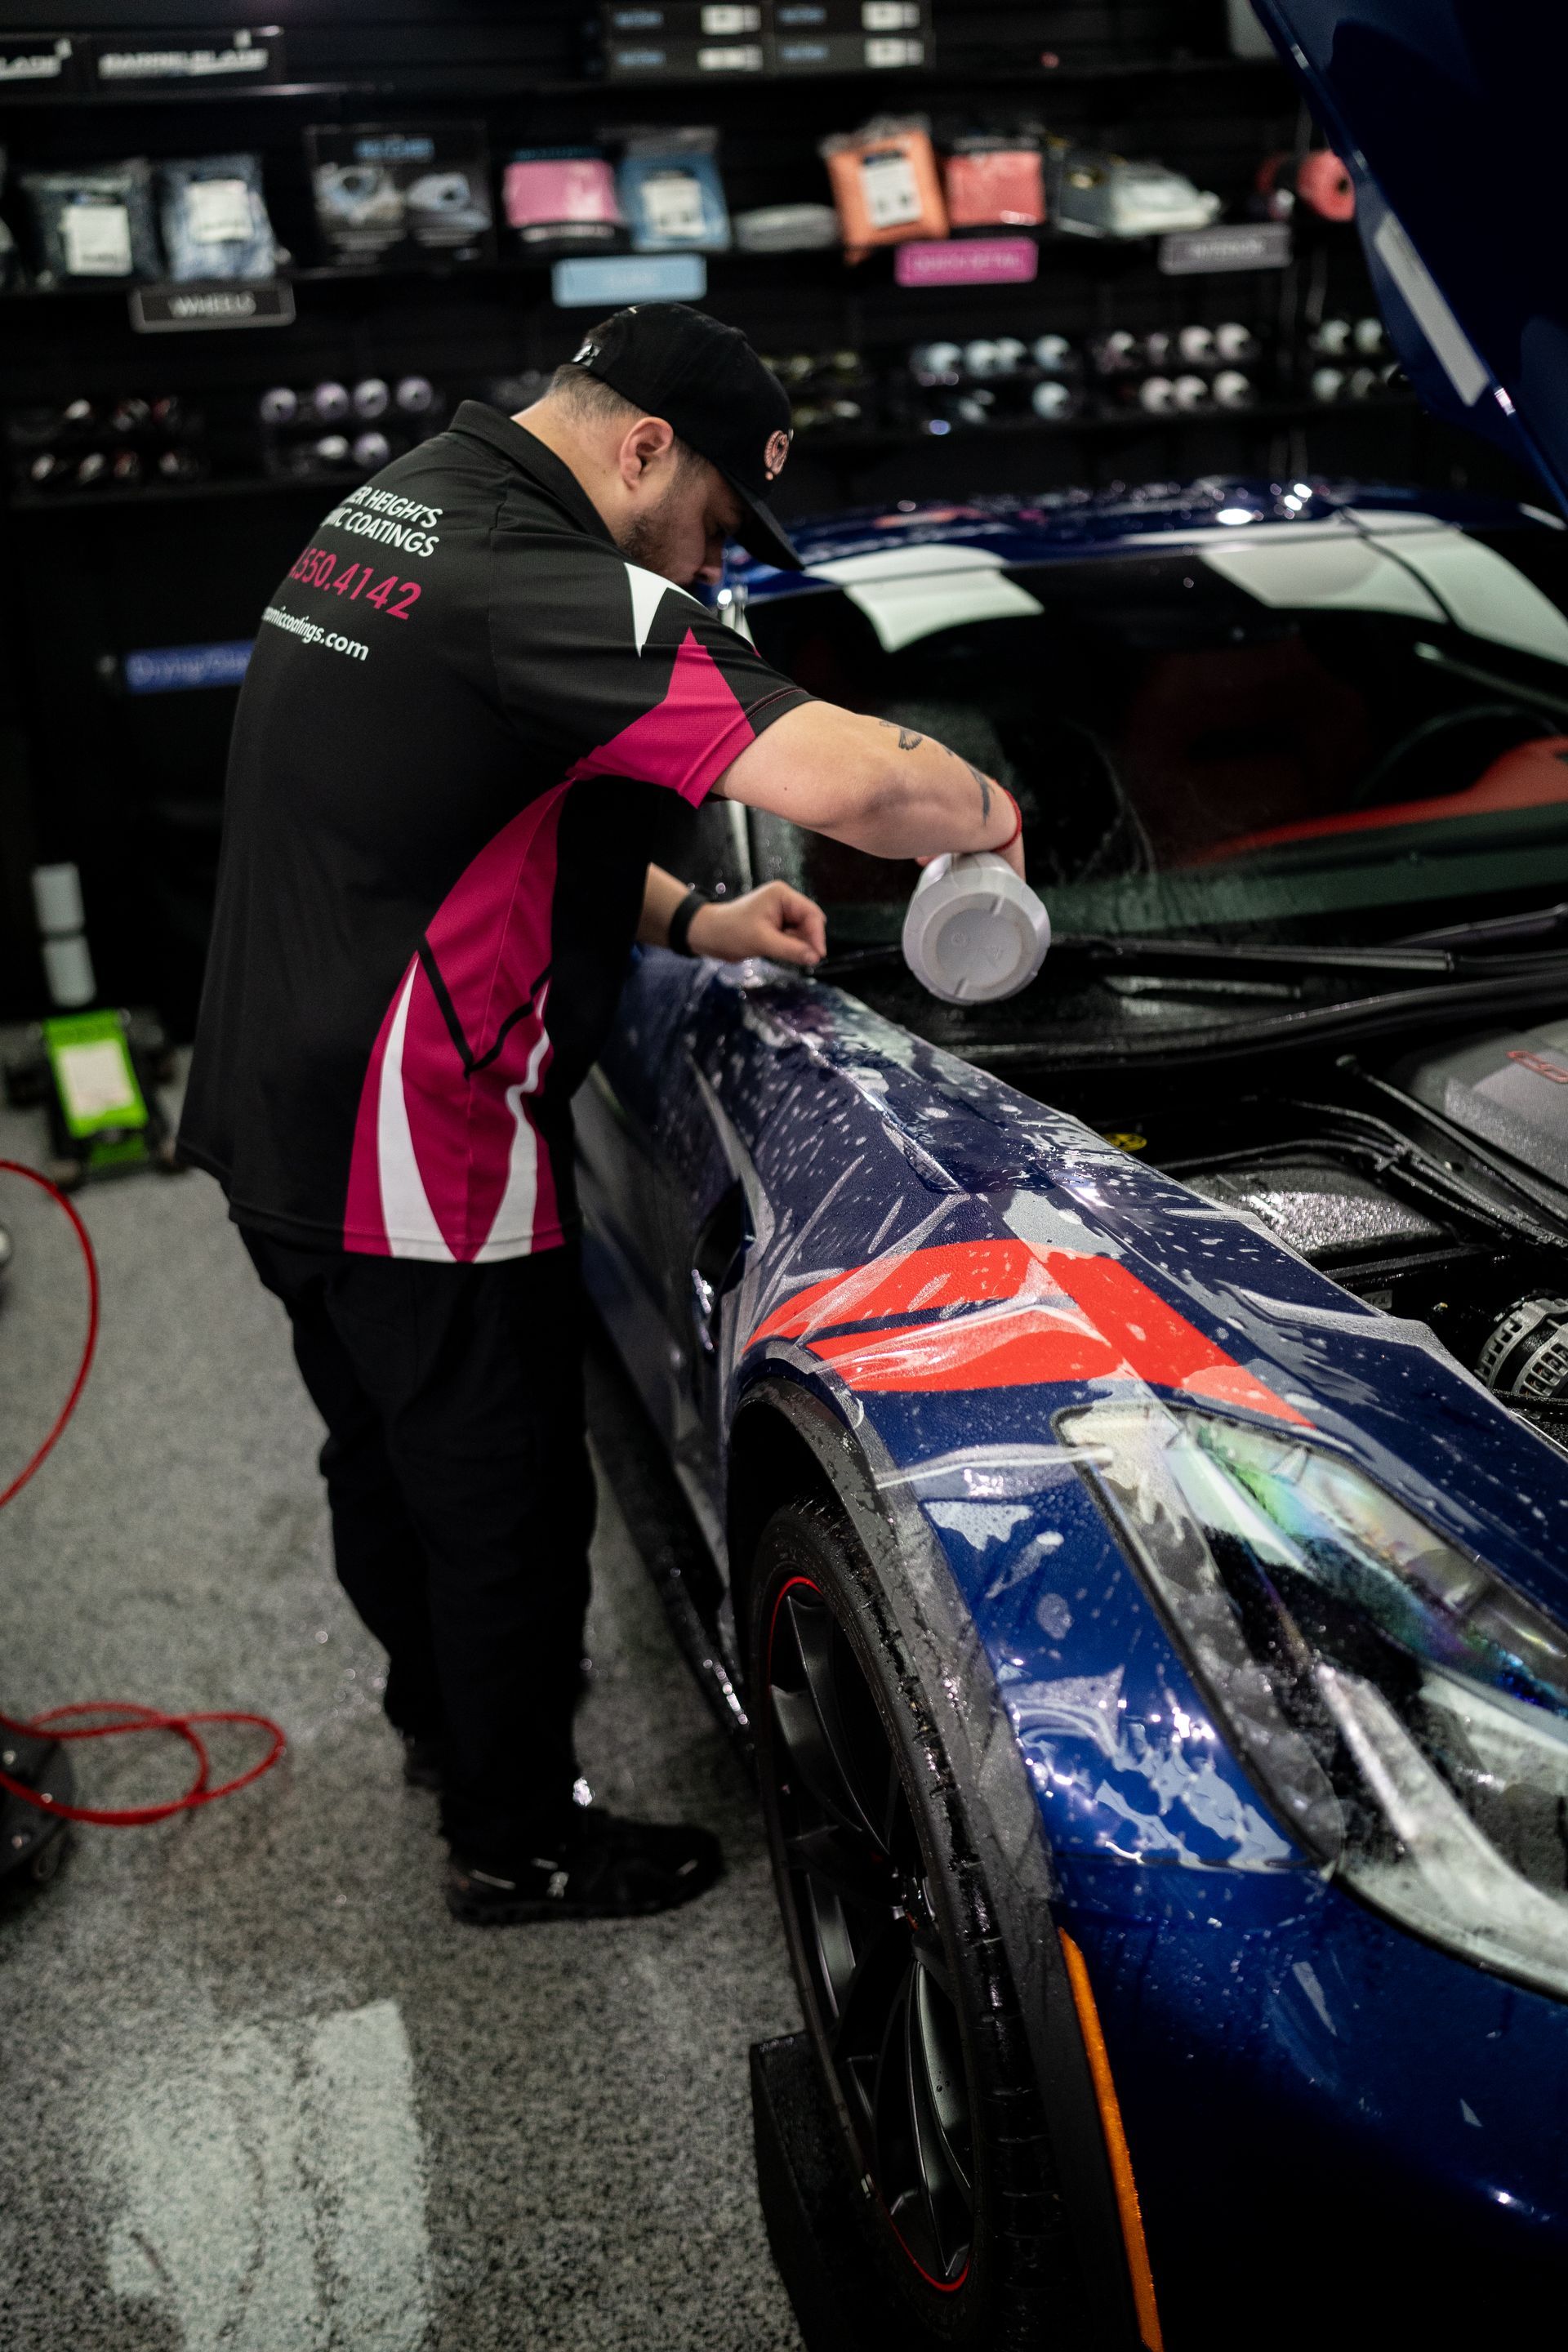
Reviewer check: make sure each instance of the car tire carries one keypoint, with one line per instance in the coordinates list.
(903, 1980)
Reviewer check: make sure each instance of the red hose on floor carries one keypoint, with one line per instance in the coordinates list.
(129, 1717)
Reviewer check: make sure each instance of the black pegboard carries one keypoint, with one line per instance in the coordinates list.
(132, 789)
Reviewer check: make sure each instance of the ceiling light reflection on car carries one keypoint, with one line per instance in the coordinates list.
(1406, 1710)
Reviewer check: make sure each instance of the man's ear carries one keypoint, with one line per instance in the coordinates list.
(648, 439)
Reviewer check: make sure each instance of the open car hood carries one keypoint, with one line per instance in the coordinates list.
(1448, 115)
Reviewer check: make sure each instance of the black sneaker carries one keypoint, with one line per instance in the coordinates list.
(422, 1761)
(608, 1869)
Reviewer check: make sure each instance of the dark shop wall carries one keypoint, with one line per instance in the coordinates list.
(129, 786)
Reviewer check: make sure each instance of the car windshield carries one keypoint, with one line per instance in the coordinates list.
(1248, 727)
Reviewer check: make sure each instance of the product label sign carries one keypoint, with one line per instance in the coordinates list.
(181, 669)
(608, 280)
(247, 56)
(692, 40)
(1191, 253)
(185, 310)
(35, 61)
(968, 261)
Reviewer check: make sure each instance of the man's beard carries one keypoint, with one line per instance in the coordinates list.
(645, 538)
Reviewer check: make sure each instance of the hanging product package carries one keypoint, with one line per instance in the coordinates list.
(885, 183)
(399, 190)
(671, 193)
(94, 222)
(561, 200)
(1098, 195)
(995, 181)
(787, 228)
(213, 219)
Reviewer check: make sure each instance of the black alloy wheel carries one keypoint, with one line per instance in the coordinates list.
(880, 1978)
(902, 1980)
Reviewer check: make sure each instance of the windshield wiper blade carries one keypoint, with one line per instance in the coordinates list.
(1429, 955)
(1485, 997)
(1501, 930)
(1402, 957)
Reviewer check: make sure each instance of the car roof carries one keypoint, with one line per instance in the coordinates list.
(1088, 523)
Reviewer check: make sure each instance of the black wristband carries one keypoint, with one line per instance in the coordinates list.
(681, 920)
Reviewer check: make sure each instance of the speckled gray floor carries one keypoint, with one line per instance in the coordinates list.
(258, 2092)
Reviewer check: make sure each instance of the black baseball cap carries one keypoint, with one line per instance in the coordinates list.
(705, 379)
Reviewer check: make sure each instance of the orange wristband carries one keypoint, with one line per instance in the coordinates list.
(1018, 822)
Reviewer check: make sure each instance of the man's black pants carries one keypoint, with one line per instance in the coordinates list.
(462, 1504)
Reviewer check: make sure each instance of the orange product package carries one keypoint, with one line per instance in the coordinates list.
(885, 182)
(995, 183)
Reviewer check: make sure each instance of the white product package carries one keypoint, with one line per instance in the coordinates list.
(94, 221)
(215, 218)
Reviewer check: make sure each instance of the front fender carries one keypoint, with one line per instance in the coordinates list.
(958, 1685)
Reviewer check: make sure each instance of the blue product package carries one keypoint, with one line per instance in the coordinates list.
(214, 219)
(671, 193)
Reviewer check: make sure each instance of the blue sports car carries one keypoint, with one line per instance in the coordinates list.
(1130, 1423)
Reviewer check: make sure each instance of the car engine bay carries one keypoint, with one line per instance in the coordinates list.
(1397, 1182)
(1420, 1161)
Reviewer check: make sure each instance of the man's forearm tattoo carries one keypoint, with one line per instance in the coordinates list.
(909, 741)
(982, 780)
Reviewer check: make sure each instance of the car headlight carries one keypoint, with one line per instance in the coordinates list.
(1406, 1710)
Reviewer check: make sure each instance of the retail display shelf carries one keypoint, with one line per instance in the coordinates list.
(878, 356)
(1135, 422)
(508, 82)
(158, 493)
(731, 265)
(879, 441)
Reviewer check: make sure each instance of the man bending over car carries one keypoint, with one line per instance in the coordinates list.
(468, 707)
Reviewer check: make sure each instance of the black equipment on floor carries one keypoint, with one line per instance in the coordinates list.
(33, 1845)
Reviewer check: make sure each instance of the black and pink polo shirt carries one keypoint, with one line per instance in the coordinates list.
(463, 718)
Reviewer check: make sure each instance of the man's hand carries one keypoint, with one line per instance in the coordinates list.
(774, 921)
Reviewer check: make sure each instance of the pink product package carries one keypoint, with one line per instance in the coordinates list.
(994, 186)
(562, 202)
